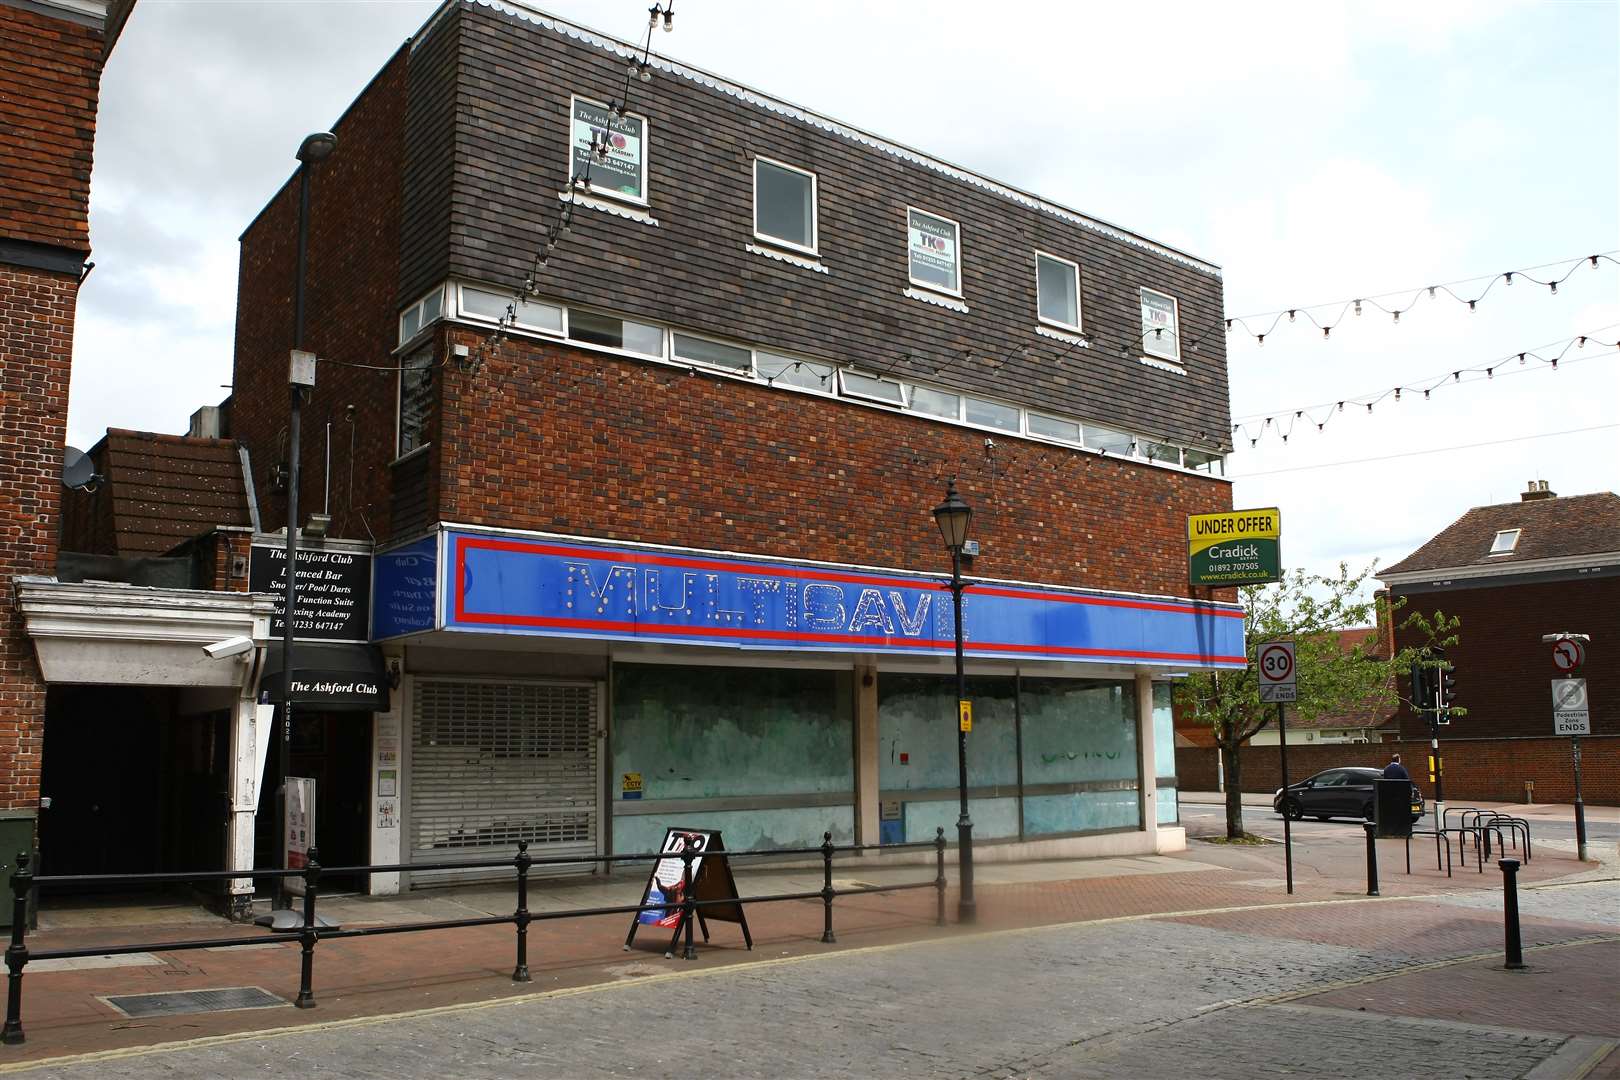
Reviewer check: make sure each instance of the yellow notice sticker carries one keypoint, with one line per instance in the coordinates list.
(964, 710)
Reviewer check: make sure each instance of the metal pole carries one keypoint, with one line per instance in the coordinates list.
(1580, 807)
(22, 879)
(827, 935)
(939, 873)
(306, 939)
(1510, 914)
(1372, 857)
(520, 973)
(1288, 832)
(966, 909)
(294, 434)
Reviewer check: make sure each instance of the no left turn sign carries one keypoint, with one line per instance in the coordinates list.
(1568, 654)
(1275, 662)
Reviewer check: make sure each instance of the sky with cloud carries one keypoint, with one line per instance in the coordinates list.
(1317, 152)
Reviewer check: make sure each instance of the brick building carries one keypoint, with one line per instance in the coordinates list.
(650, 496)
(51, 54)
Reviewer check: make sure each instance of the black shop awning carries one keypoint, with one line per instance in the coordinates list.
(330, 675)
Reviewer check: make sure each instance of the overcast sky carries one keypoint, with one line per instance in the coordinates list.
(1317, 152)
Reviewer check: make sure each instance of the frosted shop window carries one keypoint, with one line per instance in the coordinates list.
(1057, 283)
(934, 251)
(714, 354)
(415, 399)
(1161, 326)
(420, 315)
(779, 370)
(785, 205)
(621, 171)
(488, 306)
(615, 333)
(886, 391)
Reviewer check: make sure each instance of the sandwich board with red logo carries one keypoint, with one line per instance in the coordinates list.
(711, 880)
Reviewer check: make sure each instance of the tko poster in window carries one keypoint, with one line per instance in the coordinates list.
(624, 171)
(934, 252)
(1159, 326)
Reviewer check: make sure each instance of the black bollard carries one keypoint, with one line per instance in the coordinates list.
(939, 872)
(22, 880)
(523, 860)
(1510, 914)
(307, 935)
(1372, 857)
(827, 936)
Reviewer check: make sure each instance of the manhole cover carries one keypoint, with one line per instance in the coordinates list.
(175, 1002)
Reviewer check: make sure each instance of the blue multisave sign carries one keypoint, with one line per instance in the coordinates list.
(506, 584)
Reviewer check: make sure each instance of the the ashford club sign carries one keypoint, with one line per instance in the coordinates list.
(473, 582)
(1238, 547)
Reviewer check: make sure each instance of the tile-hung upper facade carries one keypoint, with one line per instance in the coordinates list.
(754, 239)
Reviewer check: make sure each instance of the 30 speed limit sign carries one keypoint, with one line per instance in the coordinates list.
(1276, 663)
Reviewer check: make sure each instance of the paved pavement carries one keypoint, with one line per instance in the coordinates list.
(1197, 964)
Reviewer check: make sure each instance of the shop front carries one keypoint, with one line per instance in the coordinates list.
(585, 696)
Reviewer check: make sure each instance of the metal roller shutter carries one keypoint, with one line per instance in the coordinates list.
(493, 763)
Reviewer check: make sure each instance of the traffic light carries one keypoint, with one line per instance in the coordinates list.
(1422, 695)
(1448, 685)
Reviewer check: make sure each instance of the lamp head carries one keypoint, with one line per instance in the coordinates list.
(317, 148)
(953, 517)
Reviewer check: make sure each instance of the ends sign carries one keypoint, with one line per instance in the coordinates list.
(1240, 547)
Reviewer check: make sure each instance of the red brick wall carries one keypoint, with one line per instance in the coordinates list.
(1503, 668)
(558, 439)
(1481, 770)
(351, 317)
(50, 72)
(36, 344)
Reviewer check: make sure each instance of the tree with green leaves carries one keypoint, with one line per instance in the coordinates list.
(1311, 609)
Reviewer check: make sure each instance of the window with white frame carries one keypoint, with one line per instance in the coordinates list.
(1163, 453)
(779, 370)
(1057, 287)
(1160, 326)
(615, 333)
(1052, 427)
(991, 414)
(1098, 437)
(785, 205)
(491, 306)
(1203, 461)
(933, 251)
(620, 169)
(420, 315)
(715, 354)
(1506, 542)
(415, 399)
(936, 403)
(887, 391)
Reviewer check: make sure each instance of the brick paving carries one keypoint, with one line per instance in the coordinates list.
(1141, 975)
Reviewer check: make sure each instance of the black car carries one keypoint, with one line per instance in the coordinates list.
(1336, 793)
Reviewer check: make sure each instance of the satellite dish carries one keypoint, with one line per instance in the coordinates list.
(78, 471)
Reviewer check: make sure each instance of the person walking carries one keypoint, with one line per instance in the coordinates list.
(1395, 770)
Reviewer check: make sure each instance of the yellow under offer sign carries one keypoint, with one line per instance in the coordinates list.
(1238, 547)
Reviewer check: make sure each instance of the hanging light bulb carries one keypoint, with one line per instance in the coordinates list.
(669, 18)
(1397, 314)
(1554, 286)
(1509, 277)
(1341, 406)
(1262, 340)
(1228, 326)
(1325, 331)
(1358, 307)
(1425, 395)
(1456, 376)
(1320, 426)
(1521, 358)
(1471, 304)
(646, 73)
(652, 17)
(1290, 315)
(1555, 363)
(1369, 406)
(1594, 259)
(631, 69)
(1580, 342)
(1490, 373)
(1431, 292)
(1397, 393)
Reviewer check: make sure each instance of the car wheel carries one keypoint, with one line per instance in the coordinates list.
(1292, 810)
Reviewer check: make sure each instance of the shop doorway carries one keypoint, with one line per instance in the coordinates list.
(333, 749)
(131, 786)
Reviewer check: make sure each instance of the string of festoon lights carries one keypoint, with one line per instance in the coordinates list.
(636, 69)
(1397, 302)
(1282, 423)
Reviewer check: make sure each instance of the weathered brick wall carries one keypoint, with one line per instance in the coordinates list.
(558, 439)
(50, 72)
(1504, 669)
(351, 318)
(36, 344)
(1483, 770)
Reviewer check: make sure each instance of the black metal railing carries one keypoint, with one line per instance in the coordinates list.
(310, 932)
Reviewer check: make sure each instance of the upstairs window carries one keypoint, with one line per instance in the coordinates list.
(1506, 542)
(779, 370)
(1057, 284)
(1160, 326)
(415, 399)
(887, 391)
(491, 306)
(711, 353)
(420, 315)
(785, 205)
(615, 333)
(933, 252)
(623, 172)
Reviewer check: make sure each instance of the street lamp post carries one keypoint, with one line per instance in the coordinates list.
(953, 516)
(315, 149)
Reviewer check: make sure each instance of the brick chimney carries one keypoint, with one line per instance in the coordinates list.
(1538, 489)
